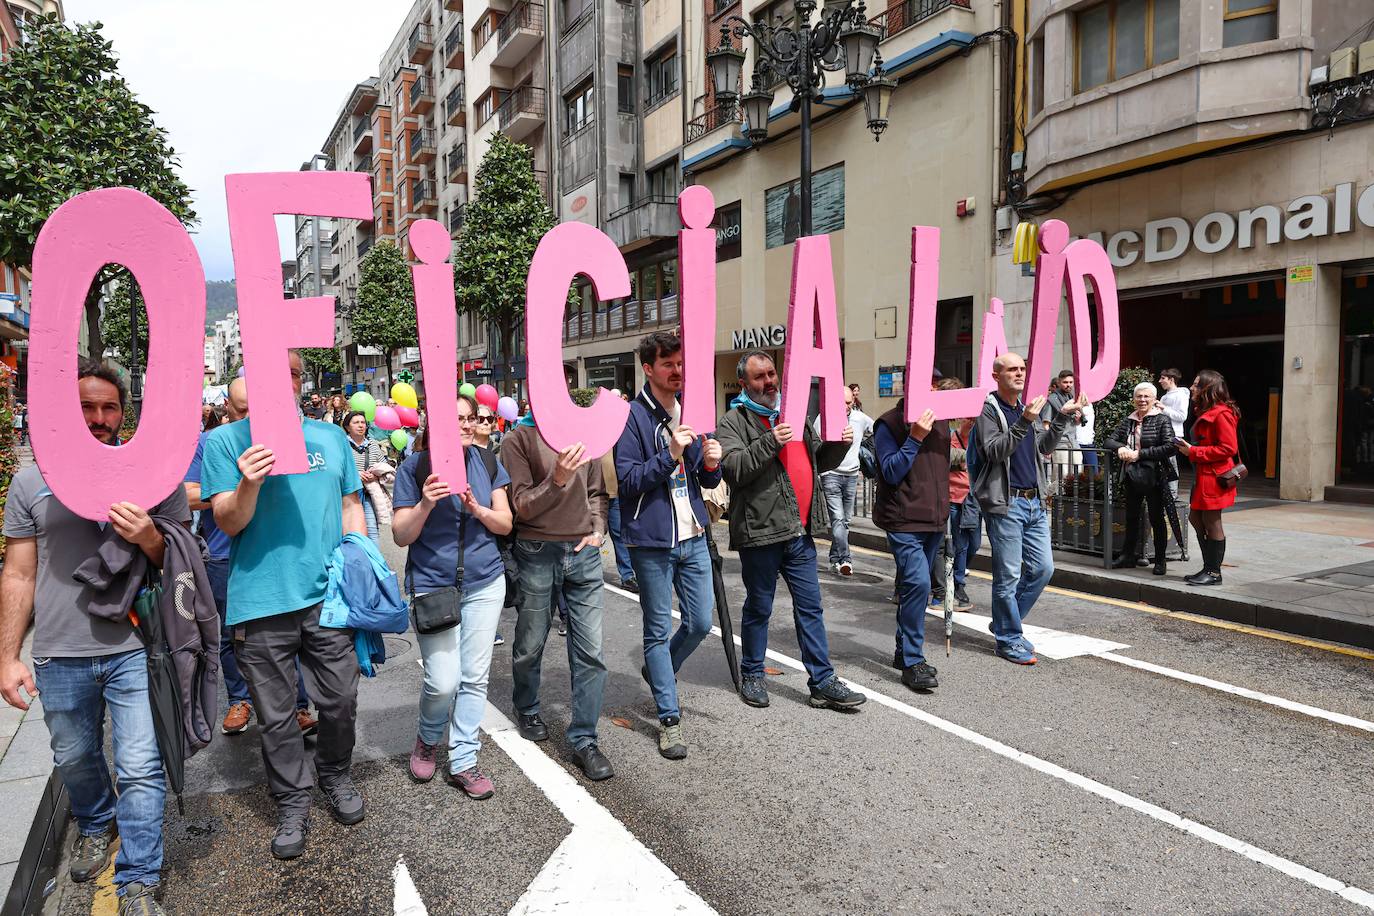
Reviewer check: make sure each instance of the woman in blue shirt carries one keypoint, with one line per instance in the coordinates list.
(429, 519)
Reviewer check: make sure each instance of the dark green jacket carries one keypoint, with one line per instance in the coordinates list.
(763, 505)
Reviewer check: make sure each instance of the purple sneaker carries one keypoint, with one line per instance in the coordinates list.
(422, 761)
(474, 783)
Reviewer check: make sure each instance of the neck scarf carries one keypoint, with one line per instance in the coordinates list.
(748, 403)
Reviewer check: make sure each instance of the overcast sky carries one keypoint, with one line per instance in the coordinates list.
(248, 86)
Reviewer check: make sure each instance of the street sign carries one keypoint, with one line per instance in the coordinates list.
(405, 375)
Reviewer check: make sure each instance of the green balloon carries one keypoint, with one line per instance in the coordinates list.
(468, 390)
(364, 403)
(399, 440)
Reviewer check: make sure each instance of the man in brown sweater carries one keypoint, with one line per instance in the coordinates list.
(560, 506)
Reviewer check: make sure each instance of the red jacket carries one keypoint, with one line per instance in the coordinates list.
(1213, 454)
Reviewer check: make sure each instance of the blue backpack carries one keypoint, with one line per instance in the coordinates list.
(971, 453)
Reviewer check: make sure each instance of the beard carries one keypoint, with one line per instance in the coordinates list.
(764, 396)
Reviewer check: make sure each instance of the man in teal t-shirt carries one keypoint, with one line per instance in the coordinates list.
(283, 530)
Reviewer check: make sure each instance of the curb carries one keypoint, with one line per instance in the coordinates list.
(38, 862)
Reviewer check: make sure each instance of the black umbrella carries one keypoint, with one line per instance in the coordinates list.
(1171, 511)
(727, 625)
(164, 690)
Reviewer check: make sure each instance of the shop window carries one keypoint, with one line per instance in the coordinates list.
(782, 207)
(1247, 21)
(662, 77)
(625, 88)
(1120, 37)
(727, 226)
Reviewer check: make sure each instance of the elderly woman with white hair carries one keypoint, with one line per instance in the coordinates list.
(1143, 441)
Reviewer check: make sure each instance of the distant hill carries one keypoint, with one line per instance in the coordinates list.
(221, 298)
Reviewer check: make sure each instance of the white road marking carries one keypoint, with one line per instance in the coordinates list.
(1055, 644)
(1163, 815)
(406, 901)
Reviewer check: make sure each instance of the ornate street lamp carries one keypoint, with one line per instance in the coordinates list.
(842, 39)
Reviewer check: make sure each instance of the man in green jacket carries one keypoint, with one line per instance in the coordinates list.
(775, 499)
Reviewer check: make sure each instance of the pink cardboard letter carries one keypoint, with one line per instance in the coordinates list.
(127, 227)
(920, 340)
(696, 255)
(565, 251)
(994, 343)
(438, 323)
(813, 340)
(269, 324)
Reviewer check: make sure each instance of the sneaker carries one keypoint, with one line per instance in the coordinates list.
(936, 601)
(835, 568)
(422, 761)
(92, 853)
(753, 692)
(499, 640)
(473, 782)
(670, 743)
(532, 728)
(306, 721)
(1015, 653)
(289, 840)
(236, 719)
(846, 569)
(835, 694)
(920, 677)
(1025, 643)
(344, 800)
(562, 627)
(594, 764)
(961, 599)
(630, 585)
(140, 900)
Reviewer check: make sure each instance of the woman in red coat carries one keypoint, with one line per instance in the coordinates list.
(1212, 453)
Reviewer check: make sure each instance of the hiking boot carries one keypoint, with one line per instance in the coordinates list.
(753, 692)
(670, 743)
(306, 721)
(835, 694)
(532, 728)
(473, 782)
(92, 853)
(920, 677)
(236, 719)
(345, 802)
(961, 599)
(422, 761)
(594, 764)
(289, 840)
(140, 900)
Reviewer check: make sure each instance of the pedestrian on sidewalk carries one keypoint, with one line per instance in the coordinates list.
(19, 420)
(283, 531)
(615, 526)
(1173, 400)
(1213, 452)
(912, 506)
(1087, 446)
(1010, 440)
(367, 454)
(560, 519)
(486, 436)
(452, 541)
(840, 485)
(1143, 442)
(662, 466)
(775, 502)
(1066, 459)
(85, 664)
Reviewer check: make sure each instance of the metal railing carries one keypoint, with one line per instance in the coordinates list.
(902, 16)
(364, 164)
(454, 39)
(454, 102)
(419, 89)
(418, 35)
(524, 15)
(713, 119)
(422, 194)
(364, 247)
(525, 100)
(363, 126)
(421, 139)
(457, 216)
(644, 202)
(457, 158)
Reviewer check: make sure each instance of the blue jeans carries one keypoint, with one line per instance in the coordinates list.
(546, 569)
(235, 687)
(457, 664)
(370, 514)
(839, 499)
(685, 568)
(75, 694)
(914, 553)
(1021, 564)
(966, 542)
(795, 561)
(623, 567)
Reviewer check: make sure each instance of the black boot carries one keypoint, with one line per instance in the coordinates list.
(1211, 565)
(1203, 552)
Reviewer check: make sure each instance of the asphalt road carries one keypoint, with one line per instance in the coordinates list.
(1083, 784)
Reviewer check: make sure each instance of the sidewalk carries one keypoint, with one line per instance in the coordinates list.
(1301, 568)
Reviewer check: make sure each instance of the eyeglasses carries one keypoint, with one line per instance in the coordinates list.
(469, 420)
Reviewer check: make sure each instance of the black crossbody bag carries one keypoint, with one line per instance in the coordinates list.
(442, 609)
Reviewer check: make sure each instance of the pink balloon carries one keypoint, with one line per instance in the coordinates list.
(487, 396)
(410, 417)
(387, 418)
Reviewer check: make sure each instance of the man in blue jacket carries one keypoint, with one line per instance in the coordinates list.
(662, 466)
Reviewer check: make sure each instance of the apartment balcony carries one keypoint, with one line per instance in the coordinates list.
(898, 17)
(421, 95)
(457, 163)
(455, 107)
(643, 222)
(421, 44)
(541, 178)
(712, 120)
(456, 217)
(364, 164)
(519, 33)
(364, 247)
(424, 199)
(362, 135)
(422, 147)
(453, 47)
(522, 112)
(455, 6)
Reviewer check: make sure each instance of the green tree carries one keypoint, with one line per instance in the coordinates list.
(507, 217)
(114, 323)
(321, 360)
(70, 124)
(384, 315)
(9, 458)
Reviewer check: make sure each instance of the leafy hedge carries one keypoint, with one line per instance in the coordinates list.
(9, 459)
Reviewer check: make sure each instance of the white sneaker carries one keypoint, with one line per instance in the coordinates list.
(845, 569)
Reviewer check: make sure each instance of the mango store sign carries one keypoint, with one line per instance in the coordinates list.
(124, 226)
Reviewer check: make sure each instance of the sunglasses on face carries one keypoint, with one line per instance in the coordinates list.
(484, 418)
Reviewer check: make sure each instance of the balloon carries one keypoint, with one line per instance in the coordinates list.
(410, 419)
(467, 390)
(364, 403)
(507, 409)
(404, 395)
(487, 396)
(386, 418)
(399, 439)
